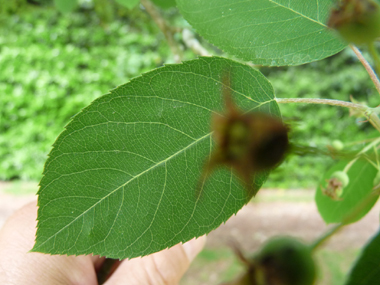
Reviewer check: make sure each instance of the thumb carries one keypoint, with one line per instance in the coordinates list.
(164, 267)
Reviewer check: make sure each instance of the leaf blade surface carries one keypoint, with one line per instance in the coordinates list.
(266, 32)
(120, 180)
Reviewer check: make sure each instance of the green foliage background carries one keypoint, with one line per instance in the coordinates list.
(53, 65)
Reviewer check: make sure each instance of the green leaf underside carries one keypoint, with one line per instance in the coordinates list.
(120, 181)
(266, 32)
(361, 174)
(128, 3)
(366, 270)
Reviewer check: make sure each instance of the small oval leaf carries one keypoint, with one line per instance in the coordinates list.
(361, 176)
(266, 32)
(120, 181)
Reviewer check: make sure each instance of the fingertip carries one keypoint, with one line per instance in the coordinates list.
(193, 247)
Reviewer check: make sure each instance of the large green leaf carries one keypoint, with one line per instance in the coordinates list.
(121, 180)
(361, 175)
(267, 32)
(366, 270)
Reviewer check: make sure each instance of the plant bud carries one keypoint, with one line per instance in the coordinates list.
(335, 185)
(357, 21)
(341, 177)
(337, 145)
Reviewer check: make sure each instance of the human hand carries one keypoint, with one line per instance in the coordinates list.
(18, 266)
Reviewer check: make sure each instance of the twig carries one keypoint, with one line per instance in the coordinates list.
(375, 56)
(322, 239)
(192, 43)
(361, 141)
(323, 101)
(364, 150)
(370, 113)
(368, 67)
(164, 27)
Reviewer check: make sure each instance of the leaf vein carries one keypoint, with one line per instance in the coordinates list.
(123, 185)
(298, 13)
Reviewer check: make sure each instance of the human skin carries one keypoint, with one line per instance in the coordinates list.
(19, 266)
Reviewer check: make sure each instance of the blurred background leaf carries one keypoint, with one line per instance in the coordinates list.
(270, 33)
(366, 270)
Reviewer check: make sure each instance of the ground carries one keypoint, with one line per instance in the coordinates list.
(272, 212)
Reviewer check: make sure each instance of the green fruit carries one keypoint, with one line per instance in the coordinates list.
(286, 261)
(339, 193)
(337, 145)
(335, 185)
(342, 177)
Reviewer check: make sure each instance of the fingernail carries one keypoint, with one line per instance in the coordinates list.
(193, 247)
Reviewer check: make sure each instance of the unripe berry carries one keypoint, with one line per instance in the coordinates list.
(335, 185)
(342, 177)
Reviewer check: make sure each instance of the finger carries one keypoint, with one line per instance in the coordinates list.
(23, 267)
(193, 247)
(164, 267)
(97, 261)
